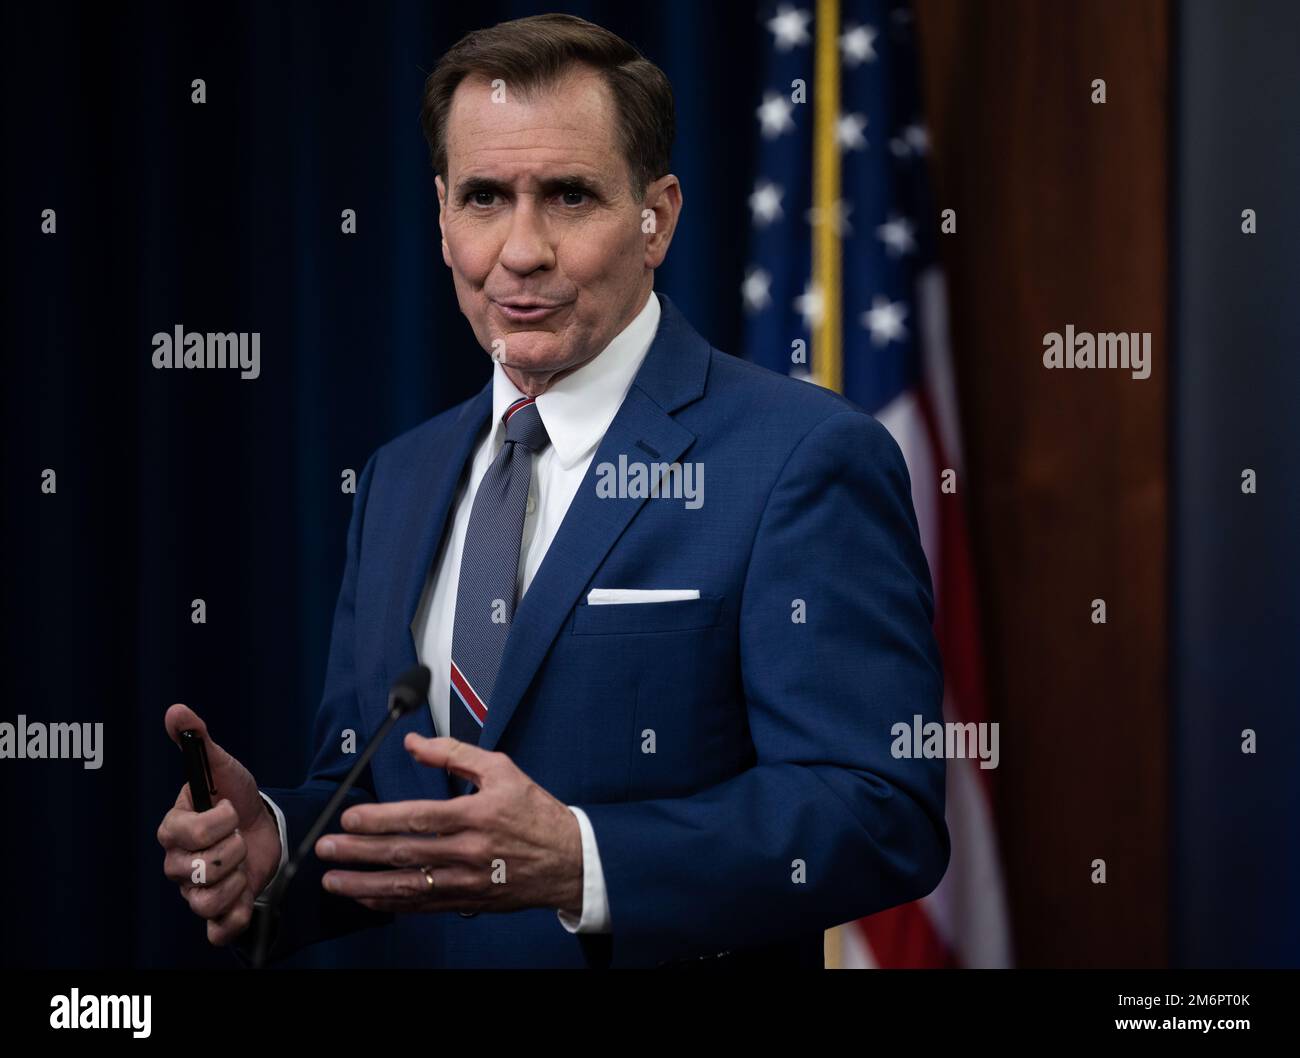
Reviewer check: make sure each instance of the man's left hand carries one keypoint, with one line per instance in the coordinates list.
(509, 845)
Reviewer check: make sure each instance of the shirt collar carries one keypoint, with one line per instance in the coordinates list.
(578, 409)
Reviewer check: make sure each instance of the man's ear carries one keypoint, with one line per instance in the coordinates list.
(442, 217)
(659, 212)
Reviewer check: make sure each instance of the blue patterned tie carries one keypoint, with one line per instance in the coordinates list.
(489, 570)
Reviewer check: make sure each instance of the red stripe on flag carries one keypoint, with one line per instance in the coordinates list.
(904, 938)
(956, 619)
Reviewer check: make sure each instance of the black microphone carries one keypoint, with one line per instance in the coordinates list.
(408, 693)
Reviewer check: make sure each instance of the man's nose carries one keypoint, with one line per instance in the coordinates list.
(527, 247)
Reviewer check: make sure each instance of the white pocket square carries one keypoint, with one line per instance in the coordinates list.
(610, 596)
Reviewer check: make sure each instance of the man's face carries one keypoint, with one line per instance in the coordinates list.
(540, 227)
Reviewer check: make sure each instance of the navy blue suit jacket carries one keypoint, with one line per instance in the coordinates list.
(772, 807)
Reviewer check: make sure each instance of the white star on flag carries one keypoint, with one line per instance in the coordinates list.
(810, 305)
(756, 289)
(790, 27)
(913, 140)
(765, 203)
(838, 217)
(896, 234)
(856, 45)
(848, 131)
(885, 320)
(774, 115)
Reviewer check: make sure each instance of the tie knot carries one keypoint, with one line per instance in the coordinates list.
(524, 424)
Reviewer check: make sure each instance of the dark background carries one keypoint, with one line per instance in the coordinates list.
(1121, 739)
(176, 485)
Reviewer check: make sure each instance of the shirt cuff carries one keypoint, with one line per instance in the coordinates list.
(595, 901)
(284, 848)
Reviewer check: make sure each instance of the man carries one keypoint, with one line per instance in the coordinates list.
(659, 728)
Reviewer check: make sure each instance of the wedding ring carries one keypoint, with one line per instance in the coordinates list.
(427, 876)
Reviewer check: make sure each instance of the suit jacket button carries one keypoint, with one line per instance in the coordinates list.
(467, 914)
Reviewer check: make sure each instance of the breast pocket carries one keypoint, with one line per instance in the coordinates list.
(644, 617)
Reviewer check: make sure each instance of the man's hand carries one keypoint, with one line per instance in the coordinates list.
(510, 845)
(237, 842)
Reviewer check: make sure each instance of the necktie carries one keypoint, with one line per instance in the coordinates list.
(489, 570)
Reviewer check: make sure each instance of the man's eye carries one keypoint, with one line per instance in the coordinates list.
(482, 198)
(573, 197)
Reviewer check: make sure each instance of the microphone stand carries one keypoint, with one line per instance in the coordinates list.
(408, 693)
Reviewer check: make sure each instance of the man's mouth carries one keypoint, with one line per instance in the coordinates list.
(527, 310)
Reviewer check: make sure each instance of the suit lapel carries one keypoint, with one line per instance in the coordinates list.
(423, 521)
(672, 374)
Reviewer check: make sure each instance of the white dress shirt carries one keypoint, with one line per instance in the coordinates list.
(576, 411)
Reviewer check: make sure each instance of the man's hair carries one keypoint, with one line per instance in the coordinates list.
(529, 54)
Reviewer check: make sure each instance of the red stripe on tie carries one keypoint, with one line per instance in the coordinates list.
(472, 701)
(520, 403)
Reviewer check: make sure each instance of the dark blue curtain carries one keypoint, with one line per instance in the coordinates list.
(179, 485)
(1235, 611)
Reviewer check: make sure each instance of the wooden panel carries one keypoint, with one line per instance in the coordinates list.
(1061, 220)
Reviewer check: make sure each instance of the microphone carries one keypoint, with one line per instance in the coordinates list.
(408, 693)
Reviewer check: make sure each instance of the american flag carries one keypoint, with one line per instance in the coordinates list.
(842, 289)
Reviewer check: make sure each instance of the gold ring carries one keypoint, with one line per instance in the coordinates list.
(427, 876)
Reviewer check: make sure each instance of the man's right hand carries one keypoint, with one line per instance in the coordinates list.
(237, 840)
